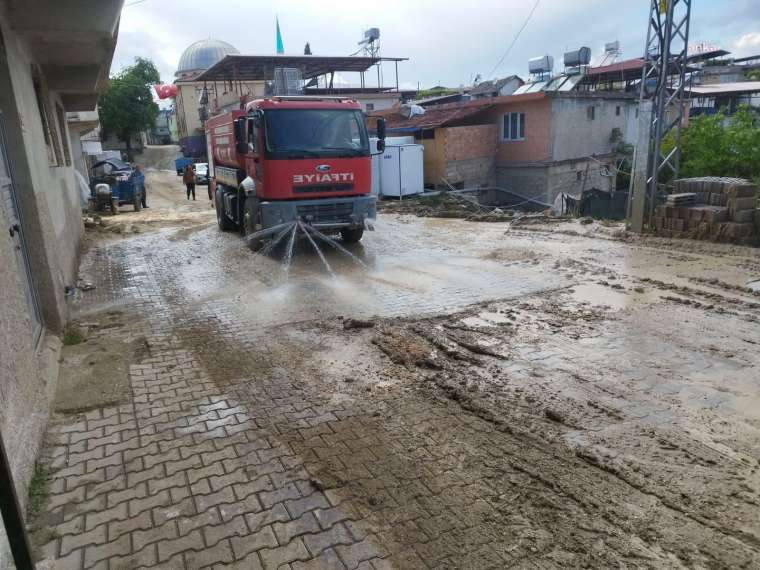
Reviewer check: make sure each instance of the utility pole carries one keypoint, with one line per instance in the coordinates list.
(663, 81)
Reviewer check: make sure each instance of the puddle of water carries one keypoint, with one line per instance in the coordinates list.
(617, 299)
(754, 285)
(486, 319)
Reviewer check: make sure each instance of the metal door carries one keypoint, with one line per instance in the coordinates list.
(10, 208)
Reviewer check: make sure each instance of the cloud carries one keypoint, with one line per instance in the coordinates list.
(747, 44)
(446, 42)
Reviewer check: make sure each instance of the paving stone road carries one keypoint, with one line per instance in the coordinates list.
(233, 449)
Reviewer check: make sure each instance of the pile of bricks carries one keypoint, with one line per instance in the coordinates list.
(723, 209)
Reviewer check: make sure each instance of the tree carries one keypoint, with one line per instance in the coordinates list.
(127, 107)
(307, 49)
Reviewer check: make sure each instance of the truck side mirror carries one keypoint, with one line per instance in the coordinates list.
(381, 128)
(380, 145)
(238, 127)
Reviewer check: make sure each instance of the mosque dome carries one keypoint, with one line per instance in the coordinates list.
(202, 54)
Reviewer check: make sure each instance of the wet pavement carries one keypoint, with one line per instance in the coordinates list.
(526, 398)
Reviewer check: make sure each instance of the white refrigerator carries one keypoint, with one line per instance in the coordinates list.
(401, 170)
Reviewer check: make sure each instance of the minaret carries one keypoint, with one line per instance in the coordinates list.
(280, 48)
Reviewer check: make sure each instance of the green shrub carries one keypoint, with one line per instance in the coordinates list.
(717, 145)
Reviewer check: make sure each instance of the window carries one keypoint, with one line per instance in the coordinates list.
(591, 112)
(370, 106)
(513, 127)
(64, 135)
(617, 111)
(315, 132)
(253, 134)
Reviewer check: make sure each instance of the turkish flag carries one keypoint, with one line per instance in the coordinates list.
(165, 91)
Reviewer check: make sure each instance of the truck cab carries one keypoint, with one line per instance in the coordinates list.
(288, 159)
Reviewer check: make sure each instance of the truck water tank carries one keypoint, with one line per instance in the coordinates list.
(581, 56)
(543, 64)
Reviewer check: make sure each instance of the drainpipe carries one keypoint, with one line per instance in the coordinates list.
(13, 518)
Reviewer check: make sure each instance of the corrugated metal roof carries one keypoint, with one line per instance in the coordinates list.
(448, 114)
(627, 65)
(725, 88)
(261, 67)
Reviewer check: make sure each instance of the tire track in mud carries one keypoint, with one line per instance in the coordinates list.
(453, 391)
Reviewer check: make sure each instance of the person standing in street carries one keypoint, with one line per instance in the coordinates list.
(140, 180)
(188, 177)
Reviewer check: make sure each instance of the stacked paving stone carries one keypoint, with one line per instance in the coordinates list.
(723, 209)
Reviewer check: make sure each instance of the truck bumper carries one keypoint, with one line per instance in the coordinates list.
(327, 213)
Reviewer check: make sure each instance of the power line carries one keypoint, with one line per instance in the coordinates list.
(135, 2)
(517, 36)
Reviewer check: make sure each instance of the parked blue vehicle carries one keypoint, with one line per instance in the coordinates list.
(181, 163)
(125, 185)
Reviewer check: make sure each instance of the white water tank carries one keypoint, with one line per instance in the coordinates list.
(401, 171)
(543, 64)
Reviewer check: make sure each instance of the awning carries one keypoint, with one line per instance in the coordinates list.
(261, 67)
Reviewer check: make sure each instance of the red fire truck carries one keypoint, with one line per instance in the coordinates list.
(288, 159)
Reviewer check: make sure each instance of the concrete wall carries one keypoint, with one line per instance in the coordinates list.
(186, 103)
(52, 228)
(47, 191)
(528, 180)
(569, 176)
(574, 134)
(379, 101)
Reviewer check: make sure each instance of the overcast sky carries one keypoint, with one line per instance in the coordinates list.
(447, 42)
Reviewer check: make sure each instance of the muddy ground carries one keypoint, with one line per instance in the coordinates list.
(566, 394)
(444, 205)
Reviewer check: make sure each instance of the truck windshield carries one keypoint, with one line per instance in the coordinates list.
(315, 132)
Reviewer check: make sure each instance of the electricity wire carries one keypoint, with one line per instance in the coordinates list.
(517, 36)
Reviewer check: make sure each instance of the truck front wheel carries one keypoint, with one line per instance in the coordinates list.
(352, 235)
(251, 221)
(224, 223)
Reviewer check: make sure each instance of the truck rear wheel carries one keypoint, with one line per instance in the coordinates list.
(224, 223)
(352, 235)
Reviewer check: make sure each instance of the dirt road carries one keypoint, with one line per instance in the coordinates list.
(479, 396)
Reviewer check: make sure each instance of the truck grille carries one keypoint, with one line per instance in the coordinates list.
(340, 212)
(323, 188)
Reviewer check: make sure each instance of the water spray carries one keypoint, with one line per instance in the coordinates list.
(291, 230)
(321, 255)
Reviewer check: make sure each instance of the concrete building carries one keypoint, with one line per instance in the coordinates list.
(83, 127)
(173, 131)
(161, 133)
(536, 144)
(561, 141)
(110, 141)
(710, 98)
(370, 99)
(727, 70)
(54, 59)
